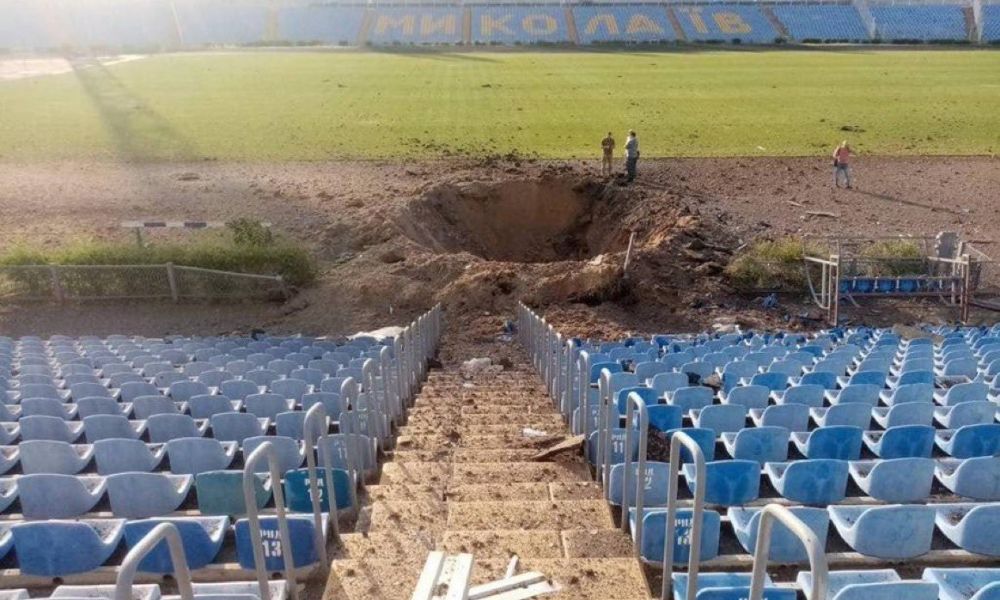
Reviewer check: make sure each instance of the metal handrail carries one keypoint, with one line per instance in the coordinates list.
(267, 452)
(677, 440)
(814, 548)
(317, 412)
(182, 575)
(604, 416)
(634, 400)
(584, 402)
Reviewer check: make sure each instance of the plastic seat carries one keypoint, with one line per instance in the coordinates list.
(260, 377)
(42, 390)
(808, 395)
(664, 417)
(691, 397)
(959, 368)
(292, 424)
(616, 440)
(785, 546)
(705, 438)
(147, 406)
(825, 379)
(897, 480)
(122, 456)
(793, 417)
(348, 451)
(904, 441)
(303, 534)
(655, 484)
(850, 414)
(966, 413)
(963, 392)
(238, 389)
(203, 407)
(47, 407)
(190, 456)
(182, 391)
(977, 478)
(654, 527)
(144, 495)
(297, 490)
(268, 405)
(762, 444)
(89, 407)
(201, 537)
(971, 527)
(862, 392)
(58, 496)
(727, 586)
(889, 532)
(911, 392)
(773, 381)
(49, 428)
(290, 453)
(8, 414)
(49, 456)
(720, 418)
(8, 494)
(730, 482)
(164, 427)
(837, 442)
(876, 378)
(910, 413)
(60, 548)
(912, 377)
(818, 481)
(884, 584)
(292, 389)
(332, 402)
(220, 492)
(89, 390)
(132, 390)
(964, 442)
(965, 584)
(236, 427)
(749, 396)
(104, 427)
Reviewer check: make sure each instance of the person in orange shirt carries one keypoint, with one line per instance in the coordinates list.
(841, 164)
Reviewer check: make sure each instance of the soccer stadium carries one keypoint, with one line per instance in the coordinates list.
(499, 300)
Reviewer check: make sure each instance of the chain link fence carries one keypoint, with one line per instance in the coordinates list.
(63, 283)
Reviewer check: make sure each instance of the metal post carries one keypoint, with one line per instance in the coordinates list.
(814, 548)
(635, 401)
(835, 271)
(172, 280)
(182, 575)
(267, 453)
(316, 421)
(628, 255)
(966, 283)
(677, 440)
(584, 403)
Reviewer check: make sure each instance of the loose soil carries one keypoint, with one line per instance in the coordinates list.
(477, 235)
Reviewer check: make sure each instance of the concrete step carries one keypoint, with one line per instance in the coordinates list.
(564, 514)
(464, 455)
(424, 517)
(464, 421)
(425, 473)
(517, 472)
(464, 429)
(566, 490)
(539, 543)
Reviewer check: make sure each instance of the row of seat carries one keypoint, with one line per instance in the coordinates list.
(278, 590)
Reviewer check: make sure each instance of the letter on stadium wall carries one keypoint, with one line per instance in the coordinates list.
(642, 24)
(605, 20)
(446, 24)
(539, 24)
(729, 22)
(694, 14)
(488, 24)
(406, 24)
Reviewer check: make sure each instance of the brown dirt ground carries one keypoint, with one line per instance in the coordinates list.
(479, 234)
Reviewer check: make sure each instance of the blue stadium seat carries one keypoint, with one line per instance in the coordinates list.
(971, 527)
(339, 448)
(910, 413)
(775, 382)
(645, 371)
(862, 392)
(991, 22)
(822, 22)
(884, 584)
(8, 494)
(806, 394)
(965, 584)
(654, 522)
(966, 413)
(655, 484)
(122, 456)
(850, 414)
(60, 548)
(720, 418)
(47, 456)
(204, 406)
(518, 24)
(897, 480)
(728, 586)
(691, 397)
(57, 496)
(268, 405)
(89, 390)
(705, 438)
(824, 379)
(818, 481)
(201, 537)
(236, 427)
(332, 402)
(664, 417)
(970, 441)
(297, 490)
(50, 428)
(238, 389)
(837, 442)
(289, 451)
(147, 406)
(750, 396)
(793, 417)
(889, 532)
(191, 456)
(963, 392)
(785, 546)
(762, 444)
(292, 424)
(730, 482)
(261, 378)
(48, 407)
(919, 22)
(302, 531)
(977, 478)
(292, 389)
(132, 390)
(903, 441)
(911, 392)
(142, 495)
(88, 407)
(220, 492)
(725, 22)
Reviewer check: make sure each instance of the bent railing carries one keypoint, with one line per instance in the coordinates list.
(266, 452)
(635, 402)
(814, 549)
(130, 566)
(678, 440)
(316, 420)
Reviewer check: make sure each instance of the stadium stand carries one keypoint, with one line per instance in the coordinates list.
(920, 22)
(73, 491)
(874, 486)
(519, 25)
(622, 23)
(822, 22)
(320, 23)
(415, 25)
(991, 23)
(203, 23)
(725, 23)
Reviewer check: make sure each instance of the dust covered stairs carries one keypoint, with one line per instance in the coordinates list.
(460, 481)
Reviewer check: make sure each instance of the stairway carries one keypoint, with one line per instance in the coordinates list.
(459, 480)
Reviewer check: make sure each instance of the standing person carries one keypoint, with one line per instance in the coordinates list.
(841, 164)
(608, 146)
(631, 154)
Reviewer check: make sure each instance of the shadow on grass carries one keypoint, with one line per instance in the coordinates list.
(137, 132)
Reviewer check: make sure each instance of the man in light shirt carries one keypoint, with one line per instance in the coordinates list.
(841, 164)
(608, 147)
(631, 155)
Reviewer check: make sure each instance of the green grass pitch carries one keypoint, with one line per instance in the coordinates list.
(305, 105)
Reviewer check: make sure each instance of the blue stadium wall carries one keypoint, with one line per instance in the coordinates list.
(166, 24)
